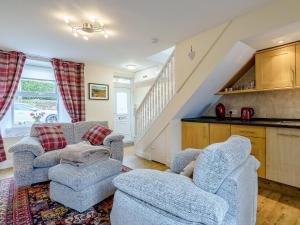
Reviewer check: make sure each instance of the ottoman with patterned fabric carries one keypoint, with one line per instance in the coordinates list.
(80, 188)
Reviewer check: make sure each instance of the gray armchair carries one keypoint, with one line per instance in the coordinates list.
(225, 195)
(31, 162)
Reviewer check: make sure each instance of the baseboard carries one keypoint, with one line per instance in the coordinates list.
(142, 154)
(279, 187)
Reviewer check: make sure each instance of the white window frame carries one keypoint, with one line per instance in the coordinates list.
(34, 94)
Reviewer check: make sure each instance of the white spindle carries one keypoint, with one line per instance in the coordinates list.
(159, 95)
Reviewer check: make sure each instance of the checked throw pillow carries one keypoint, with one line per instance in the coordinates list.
(96, 134)
(51, 137)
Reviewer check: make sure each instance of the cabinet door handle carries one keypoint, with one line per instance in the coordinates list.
(289, 135)
(293, 74)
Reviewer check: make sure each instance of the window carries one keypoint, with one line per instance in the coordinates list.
(122, 80)
(36, 100)
(122, 105)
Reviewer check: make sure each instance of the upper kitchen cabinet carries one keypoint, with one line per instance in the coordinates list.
(275, 68)
(297, 78)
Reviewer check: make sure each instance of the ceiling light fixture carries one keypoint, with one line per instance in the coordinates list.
(280, 42)
(87, 28)
(67, 21)
(131, 67)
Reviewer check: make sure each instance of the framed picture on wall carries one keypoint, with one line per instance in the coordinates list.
(98, 91)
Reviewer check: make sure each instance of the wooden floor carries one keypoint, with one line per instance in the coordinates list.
(280, 207)
(135, 162)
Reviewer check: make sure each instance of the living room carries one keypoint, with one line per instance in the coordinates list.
(149, 112)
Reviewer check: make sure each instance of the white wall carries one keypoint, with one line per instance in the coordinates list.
(101, 109)
(143, 80)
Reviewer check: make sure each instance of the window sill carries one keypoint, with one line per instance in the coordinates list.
(17, 131)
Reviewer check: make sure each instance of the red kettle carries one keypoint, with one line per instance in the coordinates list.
(247, 113)
(220, 111)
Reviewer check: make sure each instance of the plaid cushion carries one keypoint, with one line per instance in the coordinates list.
(51, 137)
(96, 134)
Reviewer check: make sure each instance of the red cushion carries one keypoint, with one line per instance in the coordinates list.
(51, 137)
(96, 134)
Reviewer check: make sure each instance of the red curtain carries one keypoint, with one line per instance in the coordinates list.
(11, 66)
(70, 80)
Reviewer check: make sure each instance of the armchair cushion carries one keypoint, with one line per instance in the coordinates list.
(174, 194)
(31, 144)
(48, 159)
(218, 160)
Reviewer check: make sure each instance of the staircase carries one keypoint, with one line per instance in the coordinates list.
(220, 53)
(156, 99)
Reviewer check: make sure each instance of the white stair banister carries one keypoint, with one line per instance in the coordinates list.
(156, 99)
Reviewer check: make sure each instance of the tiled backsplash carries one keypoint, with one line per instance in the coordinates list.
(273, 104)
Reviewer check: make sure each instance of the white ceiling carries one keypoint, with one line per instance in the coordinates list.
(38, 27)
(276, 37)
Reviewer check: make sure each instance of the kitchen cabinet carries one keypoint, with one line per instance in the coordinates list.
(275, 68)
(218, 132)
(200, 135)
(297, 78)
(195, 135)
(248, 131)
(257, 136)
(283, 155)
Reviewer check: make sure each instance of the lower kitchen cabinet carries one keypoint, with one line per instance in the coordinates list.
(218, 132)
(283, 155)
(277, 149)
(195, 135)
(259, 151)
(257, 136)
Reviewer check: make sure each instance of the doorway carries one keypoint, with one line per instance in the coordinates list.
(123, 108)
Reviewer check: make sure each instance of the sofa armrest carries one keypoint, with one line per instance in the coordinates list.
(28, 144)
(115, 143)
(23, 167)
(174, 194)
(112, 138)
(240, 190)
(183, 158)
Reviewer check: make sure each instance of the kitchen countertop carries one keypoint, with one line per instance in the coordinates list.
(266, 122)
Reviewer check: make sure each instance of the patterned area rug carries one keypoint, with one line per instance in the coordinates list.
(7, 189)
(32, 205)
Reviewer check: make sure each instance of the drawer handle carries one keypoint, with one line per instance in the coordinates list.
(247, 131)
(289, 135)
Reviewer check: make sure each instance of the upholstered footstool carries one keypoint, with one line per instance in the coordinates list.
(81, 188)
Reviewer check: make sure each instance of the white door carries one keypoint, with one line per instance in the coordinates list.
(123, 115)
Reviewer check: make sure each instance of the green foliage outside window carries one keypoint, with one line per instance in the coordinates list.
(28, 85)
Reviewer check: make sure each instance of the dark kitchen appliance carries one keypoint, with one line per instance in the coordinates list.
(220, 111)
(247, 113)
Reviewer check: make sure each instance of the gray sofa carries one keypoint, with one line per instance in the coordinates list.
(31, 162)
(223, 190)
